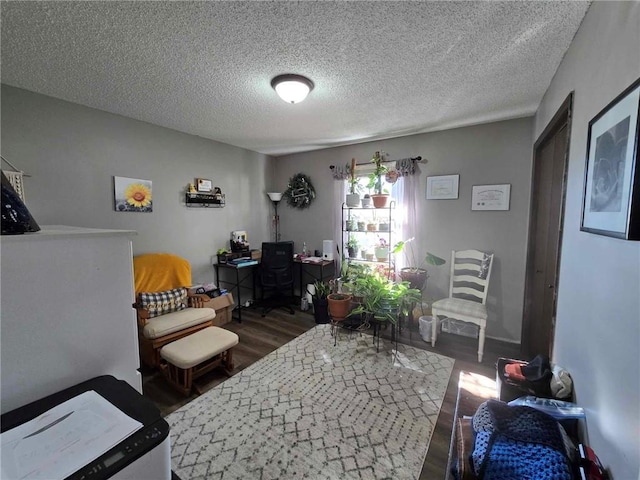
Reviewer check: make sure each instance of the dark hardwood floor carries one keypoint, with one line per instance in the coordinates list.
(260, 336)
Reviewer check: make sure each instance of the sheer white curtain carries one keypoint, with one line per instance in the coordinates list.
(339, 192)
(405, 194)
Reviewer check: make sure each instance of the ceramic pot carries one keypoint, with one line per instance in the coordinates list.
(382, 254)
(372, 227)
(380, 200)
(339, 306)
(362, 226)
(353, 252)
(417, 277)
(353, 200)
(383, 227)
(366, 202)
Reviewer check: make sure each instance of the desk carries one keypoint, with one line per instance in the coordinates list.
(318, 271)
(241, 274)
(309, 267)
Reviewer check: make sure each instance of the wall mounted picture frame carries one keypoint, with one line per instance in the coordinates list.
(132, 195)
(203, 185)
(490, 197)
(443, 187)
(611, 196)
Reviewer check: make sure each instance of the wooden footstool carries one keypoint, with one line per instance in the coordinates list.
(196, 354)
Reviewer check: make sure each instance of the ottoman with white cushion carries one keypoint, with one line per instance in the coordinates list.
(196, 354)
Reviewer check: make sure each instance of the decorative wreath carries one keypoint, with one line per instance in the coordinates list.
(300, 192)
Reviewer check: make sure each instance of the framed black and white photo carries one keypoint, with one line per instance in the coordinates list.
(442, 187)
(490, 197)
(611, 199)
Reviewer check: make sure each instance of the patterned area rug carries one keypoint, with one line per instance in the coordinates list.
(314, 410)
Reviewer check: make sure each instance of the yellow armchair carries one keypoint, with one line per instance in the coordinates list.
(166, 310)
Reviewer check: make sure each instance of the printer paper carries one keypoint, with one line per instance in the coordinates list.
(64, 439)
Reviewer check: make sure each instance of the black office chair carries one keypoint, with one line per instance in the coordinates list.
(276, 275)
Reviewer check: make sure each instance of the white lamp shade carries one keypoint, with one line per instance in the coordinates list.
(274, 196)
(292, 92)
(292, 88)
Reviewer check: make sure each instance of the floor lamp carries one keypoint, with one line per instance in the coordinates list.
(275, 199)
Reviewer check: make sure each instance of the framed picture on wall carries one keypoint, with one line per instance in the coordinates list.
(442, 187)
(611, 197)
(132, 195)
(203, 184)
(490, 197)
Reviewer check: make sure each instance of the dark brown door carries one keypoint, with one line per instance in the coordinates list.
(545, 234)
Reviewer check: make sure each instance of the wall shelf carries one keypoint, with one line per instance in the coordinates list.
(205, 200)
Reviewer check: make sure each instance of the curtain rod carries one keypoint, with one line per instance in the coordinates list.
(415, 159)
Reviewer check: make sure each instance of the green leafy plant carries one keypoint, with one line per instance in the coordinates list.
(384, 300)
(321, 290)
(353, 242)
(354, 184)
(407, 247)
(222, 251)
(375, 177)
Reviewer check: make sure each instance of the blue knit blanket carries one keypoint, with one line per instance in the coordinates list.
(518, 443)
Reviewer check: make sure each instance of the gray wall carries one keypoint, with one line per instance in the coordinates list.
(485, 154)
(598, 322)
(72, 153)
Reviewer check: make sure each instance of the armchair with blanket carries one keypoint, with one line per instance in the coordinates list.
(166, 310)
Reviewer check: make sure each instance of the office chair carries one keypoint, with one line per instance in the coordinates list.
(276, 274)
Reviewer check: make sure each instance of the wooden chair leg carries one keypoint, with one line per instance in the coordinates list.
(481, 343)
(228, 361)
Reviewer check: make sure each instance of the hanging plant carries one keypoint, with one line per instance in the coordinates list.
(300, 192)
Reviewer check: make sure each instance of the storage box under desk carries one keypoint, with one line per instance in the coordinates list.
(223, 305)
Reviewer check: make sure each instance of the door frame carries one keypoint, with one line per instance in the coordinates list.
(563, 117)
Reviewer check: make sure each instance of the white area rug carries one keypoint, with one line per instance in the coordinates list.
(314, 410)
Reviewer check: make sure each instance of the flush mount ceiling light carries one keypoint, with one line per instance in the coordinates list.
(292, 88)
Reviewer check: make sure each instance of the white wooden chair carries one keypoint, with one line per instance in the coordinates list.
(470, 274)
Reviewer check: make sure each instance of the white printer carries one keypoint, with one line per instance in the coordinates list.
(145, 454)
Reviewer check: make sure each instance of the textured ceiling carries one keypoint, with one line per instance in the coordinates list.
(381, 69)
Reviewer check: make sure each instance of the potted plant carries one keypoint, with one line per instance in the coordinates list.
(380, 199)
(362, 226)
(366, 200)
(339, 305)
(372, 226)
(416, 274)
(320, 302)
(384, 300)
(382, 250)
(353, 197)
(352, 246)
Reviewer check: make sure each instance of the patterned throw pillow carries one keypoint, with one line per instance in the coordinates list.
(161, 303)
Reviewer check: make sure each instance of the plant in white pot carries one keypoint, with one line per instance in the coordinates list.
(382, 250)
(416, 274)
(353, 197)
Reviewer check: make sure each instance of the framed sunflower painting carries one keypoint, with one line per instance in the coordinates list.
(132, 195)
